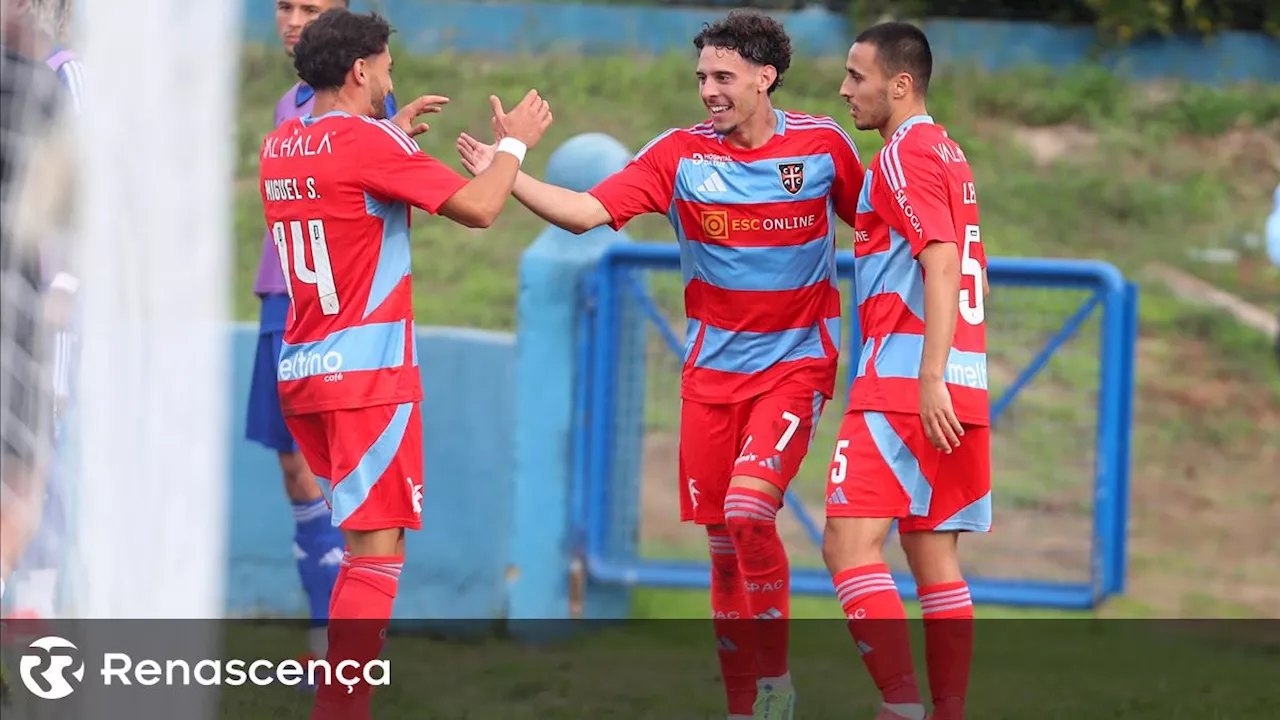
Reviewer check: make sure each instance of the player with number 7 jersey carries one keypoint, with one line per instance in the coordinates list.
(919, 189)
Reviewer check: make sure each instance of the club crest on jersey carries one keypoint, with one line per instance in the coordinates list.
(791, 174)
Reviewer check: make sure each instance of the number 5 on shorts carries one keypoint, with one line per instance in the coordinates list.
(839, 463)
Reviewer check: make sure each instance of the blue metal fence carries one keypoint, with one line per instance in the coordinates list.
(600, 481)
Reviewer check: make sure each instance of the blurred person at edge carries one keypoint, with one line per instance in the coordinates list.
(45, 32)
(1273, 247)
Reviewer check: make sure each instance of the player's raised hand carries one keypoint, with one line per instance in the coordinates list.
(425, 105)
(475, 155)
(941, 425)
(526, 122)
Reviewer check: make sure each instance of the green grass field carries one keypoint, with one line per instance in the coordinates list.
(1077, 670)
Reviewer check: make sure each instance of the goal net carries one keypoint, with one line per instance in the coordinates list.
(118, 144)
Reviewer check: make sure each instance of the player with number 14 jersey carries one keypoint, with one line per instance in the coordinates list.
(919, 189)
(336, 190)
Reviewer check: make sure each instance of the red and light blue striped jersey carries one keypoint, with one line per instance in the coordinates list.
(919, 189)
(295, 103)
(756, 230)
(336, 191)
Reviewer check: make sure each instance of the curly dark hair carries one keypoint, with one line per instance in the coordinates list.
(332, 43)
(758, 38)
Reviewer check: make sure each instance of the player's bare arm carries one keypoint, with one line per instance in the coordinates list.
(941, 266)
(574, 211)
(480, 201)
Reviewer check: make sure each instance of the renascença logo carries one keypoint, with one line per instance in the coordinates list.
(49, 666)
(52, 668)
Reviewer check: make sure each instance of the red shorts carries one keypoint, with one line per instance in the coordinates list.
(885, 467)
(765, 437)
(368, 462)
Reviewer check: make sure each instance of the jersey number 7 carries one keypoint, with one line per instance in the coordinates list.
(322, 275)
(972, 304)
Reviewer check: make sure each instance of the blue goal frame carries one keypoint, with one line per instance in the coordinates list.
(600, 339)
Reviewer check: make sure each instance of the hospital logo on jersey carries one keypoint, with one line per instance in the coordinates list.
(791, 174)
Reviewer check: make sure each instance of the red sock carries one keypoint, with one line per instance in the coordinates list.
(878, 624)
(751, 517)
(735, 632)
(358, 620)
(342, 577)
(948, 643)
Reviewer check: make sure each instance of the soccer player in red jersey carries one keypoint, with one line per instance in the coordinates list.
(317, 545)
(753, 194)
(915, 443)
(337, 186)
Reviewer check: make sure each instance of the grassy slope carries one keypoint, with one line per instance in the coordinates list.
(1145, 196)
(1130, 175)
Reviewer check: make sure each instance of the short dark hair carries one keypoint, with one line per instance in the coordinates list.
(901, 48)
(758, 38)
(332, 43)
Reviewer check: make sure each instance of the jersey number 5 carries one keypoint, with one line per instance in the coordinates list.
(322, 275)
(972, 304)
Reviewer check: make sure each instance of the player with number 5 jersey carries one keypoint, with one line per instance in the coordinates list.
(918, 190)
(914, 445)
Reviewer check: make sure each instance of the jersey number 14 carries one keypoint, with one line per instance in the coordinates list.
(321, 275)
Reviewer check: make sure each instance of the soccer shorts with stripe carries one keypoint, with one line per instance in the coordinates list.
(885, 467)
(368, 463)
(765, 437)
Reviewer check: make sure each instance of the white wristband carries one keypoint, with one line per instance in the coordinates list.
(514, 147)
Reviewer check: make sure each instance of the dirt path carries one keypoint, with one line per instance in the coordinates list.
(1203, 510)
(1048, 539)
